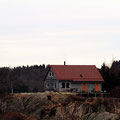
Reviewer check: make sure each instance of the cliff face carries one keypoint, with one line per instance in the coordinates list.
(61, 106)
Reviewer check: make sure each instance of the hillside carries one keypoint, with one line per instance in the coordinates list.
(58, 106)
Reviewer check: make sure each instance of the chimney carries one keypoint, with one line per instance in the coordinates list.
(64, 62)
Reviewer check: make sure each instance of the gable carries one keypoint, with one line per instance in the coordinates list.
(51, 75)
(77, 72)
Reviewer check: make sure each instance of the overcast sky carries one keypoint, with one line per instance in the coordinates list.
(51, 31)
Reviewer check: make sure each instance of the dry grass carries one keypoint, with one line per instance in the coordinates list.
(15, 116)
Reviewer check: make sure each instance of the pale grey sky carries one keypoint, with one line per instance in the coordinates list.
(51, 31)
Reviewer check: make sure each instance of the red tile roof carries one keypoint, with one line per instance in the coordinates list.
(77, 72)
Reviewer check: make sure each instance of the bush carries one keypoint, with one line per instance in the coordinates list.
(115, 92)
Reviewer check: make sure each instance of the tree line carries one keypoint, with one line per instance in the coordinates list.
(22, 79)
(111, 76)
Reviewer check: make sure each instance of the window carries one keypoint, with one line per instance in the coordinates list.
(67, 85)
(81, 76)
(55, 85)
(63, 85)
(51, 74)
(47, 85)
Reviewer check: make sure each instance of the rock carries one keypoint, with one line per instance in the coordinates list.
(82, 110)
(70, 109)
(103, 116)
(62, 107)
(59, 114)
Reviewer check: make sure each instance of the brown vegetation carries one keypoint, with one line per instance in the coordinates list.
(61, 106)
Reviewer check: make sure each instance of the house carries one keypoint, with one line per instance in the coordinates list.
(73, 78)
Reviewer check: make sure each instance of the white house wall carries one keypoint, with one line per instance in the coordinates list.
(92, 86)
(78, 86)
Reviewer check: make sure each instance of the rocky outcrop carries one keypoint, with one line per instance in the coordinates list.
(61, 106)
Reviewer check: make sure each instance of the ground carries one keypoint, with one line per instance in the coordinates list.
(58, 106)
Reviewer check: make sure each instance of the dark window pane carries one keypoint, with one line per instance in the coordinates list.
(52, 74)
(68, 85)
(63, 85)
(55, 85)
(81, 76)
(48, 84)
